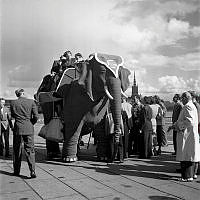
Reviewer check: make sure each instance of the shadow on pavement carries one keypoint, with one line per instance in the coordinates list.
(161, 198)
(155, 168)
(11, 174)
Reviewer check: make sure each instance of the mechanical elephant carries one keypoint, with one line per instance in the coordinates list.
(100, 84)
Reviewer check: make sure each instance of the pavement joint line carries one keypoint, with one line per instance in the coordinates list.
(146, 185)
(135, 182)
(101, 182)
(63, 182)
(28, 184)
(61, 197)
(89, 178)
(172, 180)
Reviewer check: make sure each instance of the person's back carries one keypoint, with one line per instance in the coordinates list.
(148, 117)
(25, 113)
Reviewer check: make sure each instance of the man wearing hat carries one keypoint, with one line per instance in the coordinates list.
(24, 111)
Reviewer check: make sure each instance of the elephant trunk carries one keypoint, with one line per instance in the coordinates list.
(114, 86)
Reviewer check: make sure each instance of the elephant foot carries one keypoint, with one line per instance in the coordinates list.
(70, 159)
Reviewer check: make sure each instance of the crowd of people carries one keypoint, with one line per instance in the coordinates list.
(144, 118)
(142, 125)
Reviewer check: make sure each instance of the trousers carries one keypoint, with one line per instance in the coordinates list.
(4, 144)
(28, 141)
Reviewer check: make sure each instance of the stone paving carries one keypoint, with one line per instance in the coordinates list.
(141, 179)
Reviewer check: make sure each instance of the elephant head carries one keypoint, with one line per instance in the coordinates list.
(101, 82)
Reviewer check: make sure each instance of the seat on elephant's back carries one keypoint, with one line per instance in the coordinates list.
(69, 75)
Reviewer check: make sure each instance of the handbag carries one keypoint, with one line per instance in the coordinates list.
(53, 130)
(42, 132)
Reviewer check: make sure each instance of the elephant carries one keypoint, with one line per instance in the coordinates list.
(102, 79)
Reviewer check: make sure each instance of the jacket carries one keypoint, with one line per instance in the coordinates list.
(5, 119)
(24, 111)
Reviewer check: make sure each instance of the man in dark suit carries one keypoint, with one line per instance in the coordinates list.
(5, 125)
(24, 111)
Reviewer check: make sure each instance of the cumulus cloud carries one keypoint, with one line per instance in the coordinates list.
(22, 76)
(144, 89)
(187, 62)
(174, 84)
(134, 29)
(158, 24)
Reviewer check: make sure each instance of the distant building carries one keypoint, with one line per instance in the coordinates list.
(134, 88)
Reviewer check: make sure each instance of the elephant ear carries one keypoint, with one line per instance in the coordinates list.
(123, 75)
(111, 62)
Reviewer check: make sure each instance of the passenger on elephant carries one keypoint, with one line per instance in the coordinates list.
(128, 124)
(85, 71)
(79, 65)
(115, 151)
(69, 59)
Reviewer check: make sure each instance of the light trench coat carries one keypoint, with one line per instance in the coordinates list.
(188, 147)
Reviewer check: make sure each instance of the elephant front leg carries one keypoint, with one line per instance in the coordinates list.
(69, 152)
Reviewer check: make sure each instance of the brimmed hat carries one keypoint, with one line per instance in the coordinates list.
(19, 91)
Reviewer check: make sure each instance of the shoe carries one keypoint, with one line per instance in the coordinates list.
(195, 176)
(185, 180)
(33, 175)
(182, 180)
(69, 160)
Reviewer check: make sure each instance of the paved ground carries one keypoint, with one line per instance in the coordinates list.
(152, 179)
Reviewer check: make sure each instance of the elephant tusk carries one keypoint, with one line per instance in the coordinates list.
(124, 94)
(108, 93)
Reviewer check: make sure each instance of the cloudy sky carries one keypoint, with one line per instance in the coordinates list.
(158, 39)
